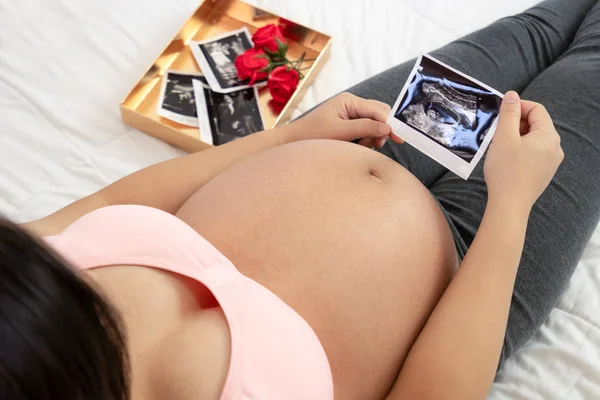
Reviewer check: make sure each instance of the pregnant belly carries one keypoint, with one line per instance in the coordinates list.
(345, 236)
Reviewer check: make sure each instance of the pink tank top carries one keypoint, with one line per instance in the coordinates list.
(275, 354)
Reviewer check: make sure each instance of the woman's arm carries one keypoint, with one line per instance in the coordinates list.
(169, 184)
(457, 353)
(166, 185)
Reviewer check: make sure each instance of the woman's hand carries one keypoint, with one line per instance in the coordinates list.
(346, 117)
(524, 155)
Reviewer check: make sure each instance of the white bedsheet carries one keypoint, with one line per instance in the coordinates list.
(66, 64)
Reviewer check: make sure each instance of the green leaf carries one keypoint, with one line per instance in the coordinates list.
(282, 47)
(271, 54)
(275, 56)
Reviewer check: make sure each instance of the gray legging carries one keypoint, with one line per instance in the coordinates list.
(550, 54)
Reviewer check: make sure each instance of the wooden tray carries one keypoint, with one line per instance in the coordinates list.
(212, 18)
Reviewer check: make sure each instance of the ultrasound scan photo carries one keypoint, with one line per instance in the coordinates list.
(448, 108)
(233, 115)
(177, 101)
(221, 55)
(179, 95)
(216, 59)
(225, 117)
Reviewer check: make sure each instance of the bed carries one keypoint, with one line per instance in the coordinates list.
(66, 64)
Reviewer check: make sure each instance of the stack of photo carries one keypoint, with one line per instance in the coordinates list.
(215, 100)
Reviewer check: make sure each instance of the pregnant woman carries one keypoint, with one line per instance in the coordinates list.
(280, 267)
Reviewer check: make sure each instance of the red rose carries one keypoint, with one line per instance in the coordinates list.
(282, 83)
(250, 64)
(265, 37)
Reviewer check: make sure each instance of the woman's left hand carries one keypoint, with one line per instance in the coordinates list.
(347, 117)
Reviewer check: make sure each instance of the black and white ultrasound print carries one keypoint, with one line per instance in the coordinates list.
(449, 108)
(228, 116)
(177, 101)
(216, 58)
(221, 55)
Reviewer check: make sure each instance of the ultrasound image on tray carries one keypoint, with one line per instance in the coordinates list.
(221, 55)
(233, 115)
(177, 101)
(449, 108)
(216, 59)
(228, 116)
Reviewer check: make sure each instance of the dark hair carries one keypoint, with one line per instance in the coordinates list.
(59, 339)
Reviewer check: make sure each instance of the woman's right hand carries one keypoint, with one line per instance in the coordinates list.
(524, 154)
(346, 117)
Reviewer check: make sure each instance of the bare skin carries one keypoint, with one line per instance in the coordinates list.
(349, 239)
(345, 236)
(178, 340)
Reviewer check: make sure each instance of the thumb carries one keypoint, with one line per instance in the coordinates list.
(509, 121)
(365, 128)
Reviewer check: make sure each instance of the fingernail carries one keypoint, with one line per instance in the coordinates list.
(511, 97)
(384, 129)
